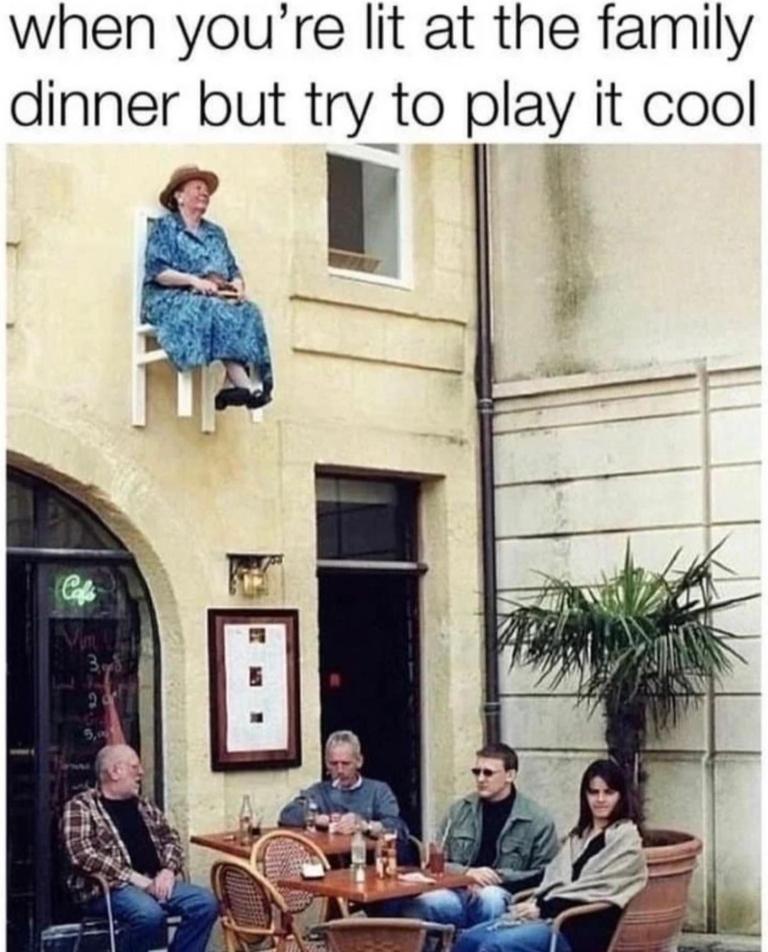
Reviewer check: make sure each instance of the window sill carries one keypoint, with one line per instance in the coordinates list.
(368, 278)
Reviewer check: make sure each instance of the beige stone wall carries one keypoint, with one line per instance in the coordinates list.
(645, 278)
(370, 377)
(621, 256)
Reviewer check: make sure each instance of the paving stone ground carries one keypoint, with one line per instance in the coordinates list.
(702, 942)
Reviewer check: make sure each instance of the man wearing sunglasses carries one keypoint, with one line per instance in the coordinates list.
(497, 836)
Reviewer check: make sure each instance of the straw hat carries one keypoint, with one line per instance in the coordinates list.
(182, 175)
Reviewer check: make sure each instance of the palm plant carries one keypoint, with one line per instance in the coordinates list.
(641, 644)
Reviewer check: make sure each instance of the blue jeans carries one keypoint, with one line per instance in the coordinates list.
(459, 907)
(146, 917)
(499, 937)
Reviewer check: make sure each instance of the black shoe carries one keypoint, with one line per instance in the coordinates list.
(231, 397)
(258, 398)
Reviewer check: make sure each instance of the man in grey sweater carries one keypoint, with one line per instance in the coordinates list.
(347, 796)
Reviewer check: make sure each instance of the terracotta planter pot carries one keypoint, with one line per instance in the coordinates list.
(654, 919)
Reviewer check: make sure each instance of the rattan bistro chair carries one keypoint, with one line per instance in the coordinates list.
(384, 935)
(584, 910)
(253, 914)
(280, 854)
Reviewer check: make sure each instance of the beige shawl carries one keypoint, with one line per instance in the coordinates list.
(616, 874)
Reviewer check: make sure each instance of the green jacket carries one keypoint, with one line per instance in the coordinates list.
(526, 844)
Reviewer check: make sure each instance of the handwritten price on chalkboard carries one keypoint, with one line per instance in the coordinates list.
(90, 734)
(94, 667)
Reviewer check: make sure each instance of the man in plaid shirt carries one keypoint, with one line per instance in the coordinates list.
(113, 831)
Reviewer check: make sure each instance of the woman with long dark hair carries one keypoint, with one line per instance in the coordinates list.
(601, 860)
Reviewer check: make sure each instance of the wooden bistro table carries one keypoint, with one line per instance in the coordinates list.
(340, 884)
(332, 844)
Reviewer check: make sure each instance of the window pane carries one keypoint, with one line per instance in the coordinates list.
(96, 645)
(363, 216)
(365, 519)
(20, 515)
(102, 673)
(64, 526)
(345, 204)
(61, 522)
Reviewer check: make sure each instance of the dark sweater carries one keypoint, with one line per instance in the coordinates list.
(134, 834)
(493, 817)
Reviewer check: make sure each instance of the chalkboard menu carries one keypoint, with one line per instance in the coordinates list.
(94, 662)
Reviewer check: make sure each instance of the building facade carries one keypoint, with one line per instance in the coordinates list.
(361, 474)
(627, 406)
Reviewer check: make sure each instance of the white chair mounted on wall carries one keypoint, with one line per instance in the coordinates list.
(143, 335)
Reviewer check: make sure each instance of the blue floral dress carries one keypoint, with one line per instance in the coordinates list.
(195, 329)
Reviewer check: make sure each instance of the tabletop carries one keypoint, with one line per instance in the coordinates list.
(340, 884)
(332, 844)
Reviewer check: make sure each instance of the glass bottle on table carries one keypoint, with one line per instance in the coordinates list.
(245, 822)
(357, 853)
(310, 815)
(379, 858)
(302, 799)
(390, 854)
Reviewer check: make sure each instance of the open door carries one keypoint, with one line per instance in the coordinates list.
(370, 675)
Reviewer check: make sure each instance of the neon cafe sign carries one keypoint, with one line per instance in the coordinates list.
(73, 589)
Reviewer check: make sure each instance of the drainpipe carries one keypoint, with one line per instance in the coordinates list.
(484, 391)
(710, 800)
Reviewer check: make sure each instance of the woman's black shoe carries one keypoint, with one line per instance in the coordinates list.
(258, 398)
(231, 397)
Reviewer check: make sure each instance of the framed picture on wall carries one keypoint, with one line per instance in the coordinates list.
(253, 659)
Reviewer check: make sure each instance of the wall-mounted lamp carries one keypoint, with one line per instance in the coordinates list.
(250, 569)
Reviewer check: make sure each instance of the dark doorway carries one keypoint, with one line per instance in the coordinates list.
(370, 675)
(369, 575)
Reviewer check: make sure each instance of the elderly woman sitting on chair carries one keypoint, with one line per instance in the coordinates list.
(601, 860)
(194, 293)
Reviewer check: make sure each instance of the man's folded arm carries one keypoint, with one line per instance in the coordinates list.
(171, 853)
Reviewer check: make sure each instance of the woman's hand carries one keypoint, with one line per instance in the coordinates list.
(202, 285)
(528, 911)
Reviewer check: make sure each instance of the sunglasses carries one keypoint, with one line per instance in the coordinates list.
(484, 772)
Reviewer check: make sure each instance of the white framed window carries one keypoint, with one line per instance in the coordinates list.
(369, 213)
